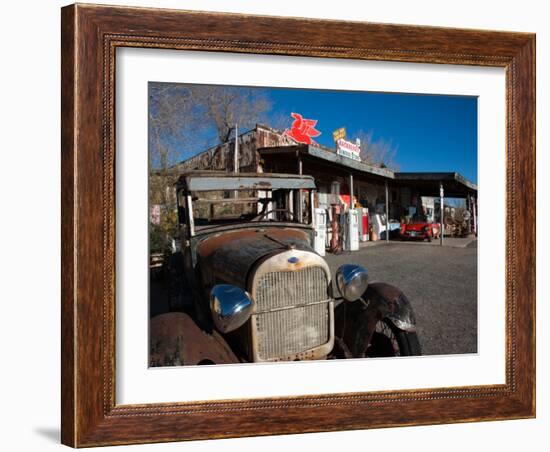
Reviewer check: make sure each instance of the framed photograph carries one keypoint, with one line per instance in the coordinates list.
(281, 225)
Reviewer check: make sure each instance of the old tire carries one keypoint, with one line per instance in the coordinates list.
(388, 341)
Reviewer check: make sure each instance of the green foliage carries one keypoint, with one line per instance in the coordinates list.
(161, 235)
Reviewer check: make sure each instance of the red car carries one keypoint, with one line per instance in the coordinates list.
(420, 229)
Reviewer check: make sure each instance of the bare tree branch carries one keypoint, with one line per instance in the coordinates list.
(379, 152)
(184, 119)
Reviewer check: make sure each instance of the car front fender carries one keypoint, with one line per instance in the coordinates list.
(392, 304)
(175, 340)
(355, 322)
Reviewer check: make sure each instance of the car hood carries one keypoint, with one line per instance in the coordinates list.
(419, 226)
(415, 226)
(229, 256)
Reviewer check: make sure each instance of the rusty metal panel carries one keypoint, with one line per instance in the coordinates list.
(230, 256)
(175, 340)
(248, 182)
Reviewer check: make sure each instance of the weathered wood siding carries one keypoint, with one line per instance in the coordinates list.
(221, 157)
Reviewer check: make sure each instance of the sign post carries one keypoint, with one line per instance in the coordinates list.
(442, 226)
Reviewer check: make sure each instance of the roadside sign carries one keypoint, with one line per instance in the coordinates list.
(339, 134)
(348, 149)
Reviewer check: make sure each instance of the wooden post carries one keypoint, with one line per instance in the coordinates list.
(236, 157)
(474, 208)
(469, 207)
(236, 153)
(351, 206)
(300, 203)
(442, 216)
(387, 215)
(351, 191)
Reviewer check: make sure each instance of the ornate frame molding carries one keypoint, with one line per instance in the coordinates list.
(90, 37)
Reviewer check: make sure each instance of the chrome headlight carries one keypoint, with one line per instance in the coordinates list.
(352, 281)
(231, 307)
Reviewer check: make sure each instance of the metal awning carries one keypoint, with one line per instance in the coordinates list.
(455, 185)
(329, 156)
(427, 183)
(220, 180)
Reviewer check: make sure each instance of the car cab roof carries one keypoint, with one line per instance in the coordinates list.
(221, 180)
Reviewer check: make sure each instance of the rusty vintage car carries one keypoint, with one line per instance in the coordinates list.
(260, 292)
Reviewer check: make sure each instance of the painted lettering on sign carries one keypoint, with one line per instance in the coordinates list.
(348, 149)
(339, 134)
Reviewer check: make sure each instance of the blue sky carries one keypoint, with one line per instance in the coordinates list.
(430, 132)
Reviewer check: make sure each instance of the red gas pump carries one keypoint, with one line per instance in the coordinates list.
(335, 239)
(365, 224)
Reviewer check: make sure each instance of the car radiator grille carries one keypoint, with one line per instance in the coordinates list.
(294, 312)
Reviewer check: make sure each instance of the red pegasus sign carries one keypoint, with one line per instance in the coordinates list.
(302, 130)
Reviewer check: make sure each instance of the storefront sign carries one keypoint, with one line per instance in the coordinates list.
(348, 149)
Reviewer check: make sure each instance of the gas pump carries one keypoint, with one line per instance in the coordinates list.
(334, 239)
(352, 233)
(364, 224)
(320, 231)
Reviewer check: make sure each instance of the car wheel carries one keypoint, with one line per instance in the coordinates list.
(388, 341)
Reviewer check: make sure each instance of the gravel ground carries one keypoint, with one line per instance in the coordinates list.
(440, 282)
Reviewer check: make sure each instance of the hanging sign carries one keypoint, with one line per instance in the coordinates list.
(348, 149)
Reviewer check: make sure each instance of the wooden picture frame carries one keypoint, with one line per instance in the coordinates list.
(90, 36)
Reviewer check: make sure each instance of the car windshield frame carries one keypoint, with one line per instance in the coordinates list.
(192, 182)
(187, 202)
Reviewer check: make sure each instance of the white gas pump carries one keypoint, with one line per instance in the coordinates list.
(320, 231)
(352, 233)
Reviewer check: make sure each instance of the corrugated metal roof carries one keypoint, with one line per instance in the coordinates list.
(330, 156)
(436, 177)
